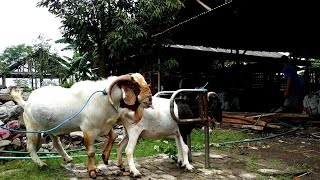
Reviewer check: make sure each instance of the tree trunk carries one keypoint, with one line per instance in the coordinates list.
(4, 80)
(100, 66)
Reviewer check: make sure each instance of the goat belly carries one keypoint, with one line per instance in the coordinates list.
(47, 117)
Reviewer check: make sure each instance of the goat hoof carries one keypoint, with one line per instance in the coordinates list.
(43, 166)
(105, 160)
(135, 174)
(121, 167)
(93, 174)
(189, 168)
(69, 160)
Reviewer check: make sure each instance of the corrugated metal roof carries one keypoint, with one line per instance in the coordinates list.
(221, 50)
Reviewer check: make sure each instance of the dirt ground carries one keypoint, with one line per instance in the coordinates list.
(294, 155)
(299, 149)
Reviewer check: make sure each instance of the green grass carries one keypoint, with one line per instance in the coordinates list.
(251, 164)
(28, 170)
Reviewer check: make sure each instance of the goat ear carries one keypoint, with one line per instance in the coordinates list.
(128, 95)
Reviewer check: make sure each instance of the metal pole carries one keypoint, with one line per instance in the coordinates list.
(206, 139)
(206, 130)
(189, 146)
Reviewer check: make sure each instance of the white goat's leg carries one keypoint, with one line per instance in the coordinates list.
(121, 145)
(133, 138)
(185, 150)
(107, 150)
(33, 146)
(89, 138)
(57, 144)
(180, 153)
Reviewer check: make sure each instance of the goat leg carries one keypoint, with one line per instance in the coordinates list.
(88, 142)
(121, 145)
(107, 150)
(33, 145)
(133, 139)
(57, 144)
(185, 151)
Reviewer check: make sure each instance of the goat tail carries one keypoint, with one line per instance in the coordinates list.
(16, 94)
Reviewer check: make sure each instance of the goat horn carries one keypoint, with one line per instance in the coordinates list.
(212, 94)
(126, 77)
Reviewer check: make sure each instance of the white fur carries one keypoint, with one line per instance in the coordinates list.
(156, 123)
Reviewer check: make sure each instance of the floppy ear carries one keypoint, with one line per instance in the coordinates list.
(128, 95)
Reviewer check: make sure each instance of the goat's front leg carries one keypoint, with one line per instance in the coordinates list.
(133, 138)
(121, 145)
(89, 138)
(106, 153)
(185, 150)
(180, 153)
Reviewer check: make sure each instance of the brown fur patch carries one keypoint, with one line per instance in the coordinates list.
(130, 96)
(138, 114)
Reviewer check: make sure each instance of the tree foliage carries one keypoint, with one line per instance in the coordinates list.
(39, 58)
(13, 55)
(112, 30)
(47, 63)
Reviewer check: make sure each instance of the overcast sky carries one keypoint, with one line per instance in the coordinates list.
(21, 22)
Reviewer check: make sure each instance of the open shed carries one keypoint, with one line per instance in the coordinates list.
(244, 31)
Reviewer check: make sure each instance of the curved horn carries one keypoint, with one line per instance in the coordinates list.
(126, 77)
(212, 94)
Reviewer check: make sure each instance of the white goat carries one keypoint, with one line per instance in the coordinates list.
(156, 123)
(48, 106)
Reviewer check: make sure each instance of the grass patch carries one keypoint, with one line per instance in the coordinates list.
(27, 169)
(251, 164)
(217, 136)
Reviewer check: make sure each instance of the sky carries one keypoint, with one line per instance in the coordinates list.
(21, 22)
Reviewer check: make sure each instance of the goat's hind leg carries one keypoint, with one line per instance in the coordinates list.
(106, 153)
(33, 145)
(57, 144)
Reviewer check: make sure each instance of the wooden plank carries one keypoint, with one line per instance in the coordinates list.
(291, 115)
(273, 126)
(243, 121)
(253, 127)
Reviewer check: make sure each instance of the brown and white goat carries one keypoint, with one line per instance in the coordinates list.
(157, 123)
(48, 106)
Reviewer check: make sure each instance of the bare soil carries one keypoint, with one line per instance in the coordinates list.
(299, 149)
